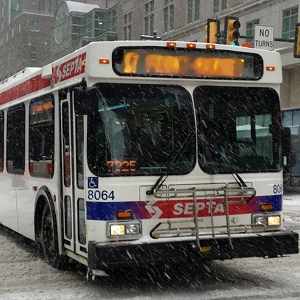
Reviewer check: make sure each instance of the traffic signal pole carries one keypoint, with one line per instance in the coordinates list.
(230, 34)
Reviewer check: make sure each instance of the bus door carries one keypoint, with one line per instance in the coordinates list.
(72, 180)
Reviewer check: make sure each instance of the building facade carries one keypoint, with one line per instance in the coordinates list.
(36, 32)
(25, 37)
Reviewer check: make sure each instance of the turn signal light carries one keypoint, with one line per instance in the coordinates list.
(266, 207)
(124, 214)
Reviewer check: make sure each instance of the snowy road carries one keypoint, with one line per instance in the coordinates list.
(24, 276)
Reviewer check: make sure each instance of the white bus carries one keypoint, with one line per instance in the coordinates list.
(143, 152)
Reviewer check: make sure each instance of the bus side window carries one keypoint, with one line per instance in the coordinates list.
(79, 151)
(41, 136)
(16, 140)
(1, 141)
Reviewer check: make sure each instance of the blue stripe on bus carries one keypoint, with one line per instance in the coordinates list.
(105, 211)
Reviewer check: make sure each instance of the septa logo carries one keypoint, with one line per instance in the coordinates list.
(186, 209)
(69, 69)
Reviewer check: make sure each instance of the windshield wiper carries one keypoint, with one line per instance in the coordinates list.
(160, 181)
(222, 155)
(239, 180)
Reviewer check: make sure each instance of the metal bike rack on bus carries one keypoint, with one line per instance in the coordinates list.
(225, 194)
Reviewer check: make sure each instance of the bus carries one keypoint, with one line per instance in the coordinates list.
(130, 153)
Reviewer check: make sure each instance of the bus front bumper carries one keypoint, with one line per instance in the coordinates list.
(117, 255)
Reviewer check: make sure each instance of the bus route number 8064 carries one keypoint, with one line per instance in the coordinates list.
(277, 189)
(100, 195)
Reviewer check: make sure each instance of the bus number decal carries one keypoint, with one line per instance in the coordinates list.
(277, 189)
(101, 195)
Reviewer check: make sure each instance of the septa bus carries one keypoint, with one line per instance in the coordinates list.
(143, 152)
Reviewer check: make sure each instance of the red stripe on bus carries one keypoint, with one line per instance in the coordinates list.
(62, 72)
(29, 86)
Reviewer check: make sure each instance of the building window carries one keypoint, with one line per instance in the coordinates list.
(219, 5)
(2, 8)
(128, 26)
(15, 8)
(34, 25)
(149, 18)
(215, 6)
(33, 53)
(289, 20)
(45, 5)
(250, 30)
(224, 4)
(18, 54)
(291, 118)
(169, 15)
(11, 59)
(193, 10)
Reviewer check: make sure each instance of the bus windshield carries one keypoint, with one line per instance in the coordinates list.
(142, 130)
(238, 129)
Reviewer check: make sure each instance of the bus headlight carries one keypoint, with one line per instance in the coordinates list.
(124, 229)
(117, 229)
(267, 220)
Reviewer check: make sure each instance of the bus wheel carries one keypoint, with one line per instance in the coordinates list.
(49, 239)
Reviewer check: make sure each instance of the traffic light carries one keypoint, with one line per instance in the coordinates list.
(297, 41)
(212, 28)
(232, 25)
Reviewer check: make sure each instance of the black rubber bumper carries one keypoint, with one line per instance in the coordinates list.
(118, 255)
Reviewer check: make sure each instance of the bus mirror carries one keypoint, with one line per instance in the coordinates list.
(85, 100)
(286, 141)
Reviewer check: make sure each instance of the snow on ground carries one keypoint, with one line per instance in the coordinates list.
(291, 199)
(291, 208)
(25, 276)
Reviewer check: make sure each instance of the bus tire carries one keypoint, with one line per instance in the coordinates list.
(49, 240)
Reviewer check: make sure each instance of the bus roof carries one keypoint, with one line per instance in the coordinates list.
(95, 60)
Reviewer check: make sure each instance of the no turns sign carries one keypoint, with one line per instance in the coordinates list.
(264, 37)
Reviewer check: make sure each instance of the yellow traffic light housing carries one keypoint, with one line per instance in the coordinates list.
(212, 28)
(297, 41)
(232, 25)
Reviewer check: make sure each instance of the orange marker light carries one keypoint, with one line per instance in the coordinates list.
(210, 46)
(191, 45)
(270, 68)
(171, 45)
(247, 45)
(104, 61)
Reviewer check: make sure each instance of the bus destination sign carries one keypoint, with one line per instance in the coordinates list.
(197, 63)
